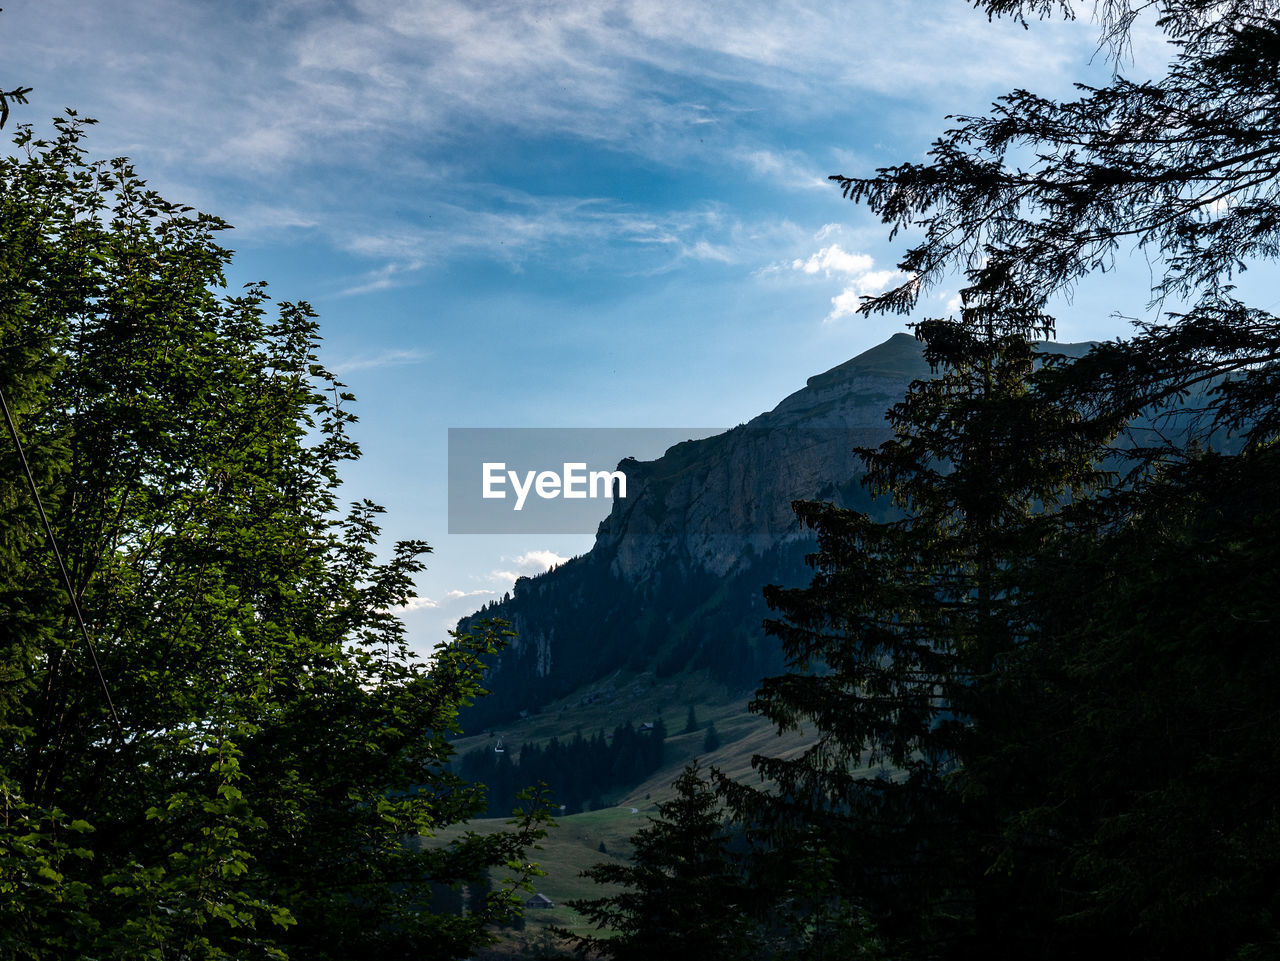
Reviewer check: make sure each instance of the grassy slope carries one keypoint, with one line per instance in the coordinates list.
(643, 697)
(574, 844)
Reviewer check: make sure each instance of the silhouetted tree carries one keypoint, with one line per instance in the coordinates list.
(1062, 676)
(684, 896)
(712, 741)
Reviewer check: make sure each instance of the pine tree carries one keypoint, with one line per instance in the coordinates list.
(684, 897)
(712, 740)
(691, 721)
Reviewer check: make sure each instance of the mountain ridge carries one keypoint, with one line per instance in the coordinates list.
(673, 581)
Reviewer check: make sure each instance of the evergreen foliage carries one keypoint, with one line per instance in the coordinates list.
(712, 740)
(1043, 695)
(684, 896)
(691, 721)
(687, 619)
(576, 772)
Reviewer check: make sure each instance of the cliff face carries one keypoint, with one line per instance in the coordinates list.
(673, 582)
(674, 579)
(717, 503)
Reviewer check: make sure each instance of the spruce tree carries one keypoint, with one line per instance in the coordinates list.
(898, 645)
(1040, 694)
(691, 721)
(712, 740)
(684, 897)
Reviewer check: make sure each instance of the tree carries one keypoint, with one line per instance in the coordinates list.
(683, 897)
(1139, 793)
(1050, 656)
(275, 756)
(1182, 168)
(712, 740)
(897, 649)
(691, 721)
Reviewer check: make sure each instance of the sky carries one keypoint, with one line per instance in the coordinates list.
(548, 213)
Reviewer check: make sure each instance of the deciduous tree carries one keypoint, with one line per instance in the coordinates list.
(275, 753)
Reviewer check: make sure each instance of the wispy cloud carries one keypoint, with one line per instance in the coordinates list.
(384, 277)
(791, 169)
(579, 232)
(258, 89)
(322, 107)
(385, 358)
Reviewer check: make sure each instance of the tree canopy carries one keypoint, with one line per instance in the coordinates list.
(276, 756)
(1041, 694)
(682, 895)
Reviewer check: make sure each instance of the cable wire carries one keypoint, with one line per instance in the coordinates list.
(53, 544)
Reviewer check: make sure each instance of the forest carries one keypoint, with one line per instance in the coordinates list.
(1041, 692)
(578, 772)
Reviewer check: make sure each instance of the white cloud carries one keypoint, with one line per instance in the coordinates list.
(260, 89)
(856, 270)
(583, 232)
(834, 260)
(383, 278)
(458, 595)
(426, 603)
(527, 565)
(321, 107)
(539, 560)
(703, 250)
(791, 169)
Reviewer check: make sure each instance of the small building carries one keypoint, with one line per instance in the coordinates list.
(539, 901)
(647, 726)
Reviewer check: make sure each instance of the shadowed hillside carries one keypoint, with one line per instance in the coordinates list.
(673, 582)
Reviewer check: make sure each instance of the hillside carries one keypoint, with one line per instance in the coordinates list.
(673, 582)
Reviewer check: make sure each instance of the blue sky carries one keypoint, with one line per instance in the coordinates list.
(545, 213)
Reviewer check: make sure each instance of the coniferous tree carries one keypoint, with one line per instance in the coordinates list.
(1062, 684)
(712, 740)
(691, 721)
(898, 643)
(684, 895)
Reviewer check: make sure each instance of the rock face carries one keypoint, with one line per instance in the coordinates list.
(673, 582)
(674, 579)
(720, 502)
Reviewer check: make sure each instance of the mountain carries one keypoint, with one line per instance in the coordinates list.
(673, 582)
